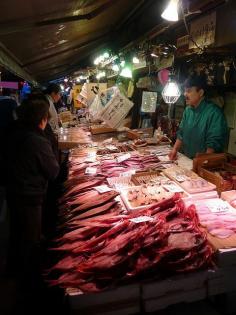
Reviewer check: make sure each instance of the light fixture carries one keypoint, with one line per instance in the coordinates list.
(171, 11)
(62, 87)
(154, 55)
(65, 80)
(135, 60)
(115, 68)
(122, 64)
(100, 75)
(106, 55)
(171, 91)
(126, 72)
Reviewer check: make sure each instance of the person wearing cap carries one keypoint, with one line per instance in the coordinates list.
(203, 128)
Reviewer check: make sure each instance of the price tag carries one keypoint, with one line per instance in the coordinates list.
(91, 157)
(217, 206)
(128, 173)
(141, 219)
(91, 170)
(167, 165)
(111, 147)
(90, 160)
(164, 158)
(180, 178)
(173, 188)
(102, 189)
(108, 140)
(123, 157)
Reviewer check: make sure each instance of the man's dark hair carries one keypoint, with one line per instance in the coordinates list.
(53, 87)
(196, 81)
(33, 110)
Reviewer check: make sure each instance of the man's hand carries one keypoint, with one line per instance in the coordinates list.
(173, 154)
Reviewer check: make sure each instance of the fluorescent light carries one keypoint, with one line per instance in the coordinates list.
(154, 55)
(126, 72)
(171, 11)
(171, 92)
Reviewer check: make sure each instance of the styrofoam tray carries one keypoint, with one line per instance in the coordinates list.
(124, 193)
(209, 187)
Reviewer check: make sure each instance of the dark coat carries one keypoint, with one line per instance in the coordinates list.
(29, 162)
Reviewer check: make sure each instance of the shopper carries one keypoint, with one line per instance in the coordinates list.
(29, 164)
(53, 93)
(203, 128)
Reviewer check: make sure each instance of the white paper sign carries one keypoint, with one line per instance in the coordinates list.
(91, 159)
(91, 170)
(217, 206)
(108, 140)
(128, 173)
(180, 178)
(203, 30)
(163, 158)
(168, 165)
(173, 188)
(116, 110)
(123, 157)
(111, 147)
(102, 189)
(141, 219)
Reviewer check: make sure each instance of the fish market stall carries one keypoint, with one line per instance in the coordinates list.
(131, 236)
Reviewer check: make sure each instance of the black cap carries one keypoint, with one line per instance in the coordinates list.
(197, 81)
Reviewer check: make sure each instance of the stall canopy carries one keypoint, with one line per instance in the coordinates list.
(43, 40)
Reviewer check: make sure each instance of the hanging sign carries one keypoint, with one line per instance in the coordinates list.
(203, 31)
(116, 110)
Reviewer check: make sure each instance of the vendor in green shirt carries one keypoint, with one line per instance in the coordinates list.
(203, 128)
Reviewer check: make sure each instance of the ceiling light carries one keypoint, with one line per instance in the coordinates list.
(106, 55)
(154, 55)
(65, 80)
(135, 60)
(100, 75)
(115, 68)
(122, 64)
(171, 11)
(126, 73)
(62, 41)
(171, 92)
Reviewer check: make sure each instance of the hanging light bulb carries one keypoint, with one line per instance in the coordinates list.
(171, 92)
(171, 11)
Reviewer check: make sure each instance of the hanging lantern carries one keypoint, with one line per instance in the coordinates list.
(171, 92)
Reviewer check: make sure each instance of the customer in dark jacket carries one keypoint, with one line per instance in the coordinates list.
(30, 163)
